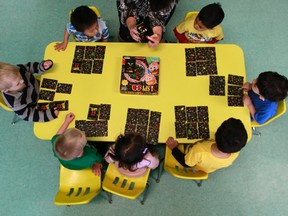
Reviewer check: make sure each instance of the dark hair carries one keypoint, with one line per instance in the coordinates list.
(129, 150)
(158, 5)
(211, 15)
(272, 86)
(231, 136)
(82, 18)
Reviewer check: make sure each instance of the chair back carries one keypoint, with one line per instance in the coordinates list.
(172, 166)
(77, 186)
(128, 187)
(281, 109)
(188, 14)
(3, 104)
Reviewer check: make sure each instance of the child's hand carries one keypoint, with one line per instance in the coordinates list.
(96, 168)
(69, 117)
(56, 112)
(60, 46)
(171, 143)
(154, 40)
(247, 100)
(247, 86)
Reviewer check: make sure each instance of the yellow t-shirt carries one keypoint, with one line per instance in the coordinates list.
(200, 157)
(187, 27)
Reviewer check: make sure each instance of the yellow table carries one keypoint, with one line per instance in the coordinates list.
(175, 88)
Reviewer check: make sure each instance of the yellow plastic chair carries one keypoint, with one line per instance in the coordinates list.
(281, 109)
(77, 187)
(128, 187)
(91, 7)
(172, 166)
(4, 106)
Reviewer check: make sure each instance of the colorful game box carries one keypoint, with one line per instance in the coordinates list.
(140, 75)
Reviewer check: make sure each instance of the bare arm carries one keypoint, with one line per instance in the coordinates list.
(155, 39)
(62, 46)
(69, 118)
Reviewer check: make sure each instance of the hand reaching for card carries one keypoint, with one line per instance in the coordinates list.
(171, 143)
(69, 117)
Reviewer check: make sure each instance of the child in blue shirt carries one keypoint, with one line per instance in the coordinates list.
(264, 93)
(85, 26)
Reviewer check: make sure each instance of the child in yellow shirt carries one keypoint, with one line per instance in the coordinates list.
(202, 27)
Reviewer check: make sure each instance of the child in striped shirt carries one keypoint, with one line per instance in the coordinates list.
(85, 26)
(20, 90)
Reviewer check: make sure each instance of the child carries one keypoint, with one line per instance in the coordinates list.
(202, 27)
(210, 155)
(20, 90)
(131, 155)
(85, 26)
(264, 93)
(71, 149)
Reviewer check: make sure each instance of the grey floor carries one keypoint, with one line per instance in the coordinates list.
(256, 184)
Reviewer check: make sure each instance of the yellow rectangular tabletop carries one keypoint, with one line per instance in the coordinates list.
(175, 88)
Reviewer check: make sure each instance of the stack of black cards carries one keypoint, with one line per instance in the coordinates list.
(217, 85)
(144, 122)
(88, 59)
(235, 90)
(200, 61)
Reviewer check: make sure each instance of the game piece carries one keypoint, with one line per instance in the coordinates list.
(42, 106)
(60, 105)
(180, 114)
(139, 75)
(190, 54)
(86, 66)
(90, 52)
(203, 129)
(191, 69)
(191, 114)
(142, 117)
(236, 80)
(46, 95)
(132, 115)
(202, 112)
(80, 124)
(79, 53)
(235, 90)
(142, 32)
(153, 133)
(64, 88)
(93, 112)
(206, 68)
(217, 85)
(100, 52)
(142, 130)
(130, 128)
(180, 130)
(76, 66)
(101, 128)
(90, 128)
(49, 83)
(192, 132)
(205, 53)
(104, 113)
(235, 101)
(97, 66)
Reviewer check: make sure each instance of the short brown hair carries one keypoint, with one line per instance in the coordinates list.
(8, 73)
(70, 144)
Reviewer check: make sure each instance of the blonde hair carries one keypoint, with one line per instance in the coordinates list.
(70, 144)
(8, 73)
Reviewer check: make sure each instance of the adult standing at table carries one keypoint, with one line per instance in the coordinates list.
(154, 14)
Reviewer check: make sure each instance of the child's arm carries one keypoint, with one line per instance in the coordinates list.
(36, 67)
(96, 168)
(62, 46)
(178, 155)
(247, 101)
(69, 118)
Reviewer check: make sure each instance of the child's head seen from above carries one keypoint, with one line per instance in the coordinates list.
(231, 136)
(129, 150)
(10, 78)
(271, 85)
(209, 16)
(70, 144)
(85, 20)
